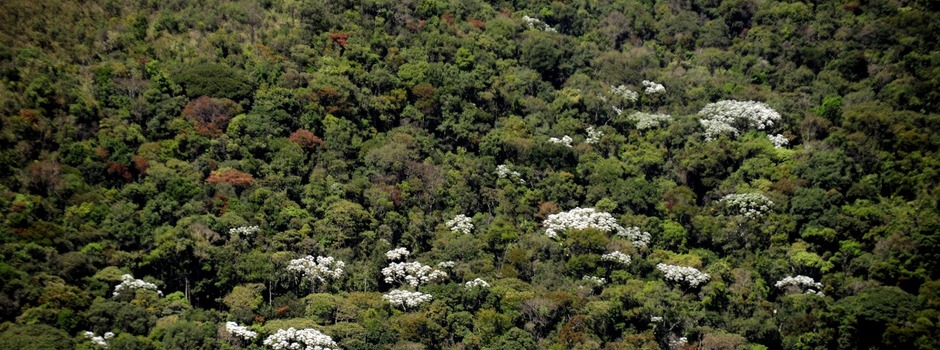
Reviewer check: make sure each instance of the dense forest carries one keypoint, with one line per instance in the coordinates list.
(469, 174)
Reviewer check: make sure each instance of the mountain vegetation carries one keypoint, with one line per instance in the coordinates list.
(469, 174)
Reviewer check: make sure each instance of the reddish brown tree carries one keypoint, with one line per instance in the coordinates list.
(340, 38)
(211, 114)
(230, 176)
(306, 139)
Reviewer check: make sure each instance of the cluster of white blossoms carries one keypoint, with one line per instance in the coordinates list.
(243, 230)
(637, 237)
(683, 274)
(412, 273)
(656, 319)
(317, 269)
(564, 140)
(128, 282)
(804, 284)
(406, 299)
(593, 135)
(778, 140)
(748, 204)
(579, 219)
(535, 23)
(240, 331)
(99, 340)
(676, 343)
(503, 172)
(300, 339)
(617, 257)
(597, 281)
(653, 88)
(649, 120)
(397, 253)
(721, 117)
(460, 223)
(477, 283)
(625, 93)
(446, 264)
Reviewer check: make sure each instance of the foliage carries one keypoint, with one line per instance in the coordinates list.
(745, 174)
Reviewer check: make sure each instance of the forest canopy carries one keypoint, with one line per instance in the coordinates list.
(469, 174)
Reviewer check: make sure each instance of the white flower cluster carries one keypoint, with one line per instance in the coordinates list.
(649, 120)
(656, 319)
(652, 88)
(406, 299)
(477, 283)
(778, 140)
(446, 265)
(593, 135)
(413, 273)
(397, 253)
(128, 282)
(535, 23)
(564, 140)
(503, 172)
(676, 343)
(638, 237)
(720, 117)
(625, 93)
(683, 274)
(243, 230)
(240, 331)
(579, 219)
(748, 204)
(597, 281)
(714, 127)
(617, 257)
(317, 269)
(460, 223)
(802, 283)
(300, 339)
(99, 340)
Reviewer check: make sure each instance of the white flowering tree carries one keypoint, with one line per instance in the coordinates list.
(238, 334)
(645, 120)
(564, 141)
(300, 339)
(750, 205)
(504, 172)
(725, 117)
(460, 223)
(594, 281)
(406, 299)
(778, 140)
(130, 284)
(243, 231)
(397, 253)
(653, 88)
(685, 275)
(537, 24)
(584, 218)
(579, 219)
(616, 257)
(100, 341)
(624, 93)
(800, 284)
(317, 269)
(639, 238)
(412, 273)
(593, 136)
(477, 283)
